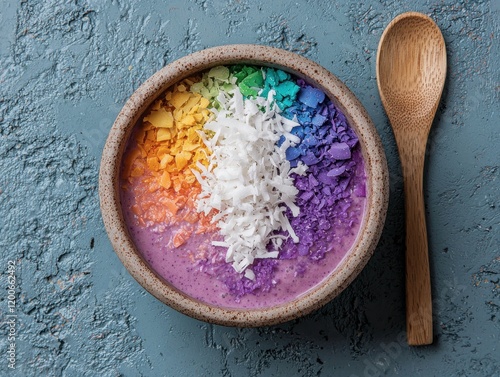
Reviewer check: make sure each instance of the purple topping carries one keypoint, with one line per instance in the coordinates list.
(311, 96)
(329, 148)
(327, 179)
(336, 171)
(306, 195)
(340, 151)
(310, 159)
(238, 285)
(303, 249)
(313, 182)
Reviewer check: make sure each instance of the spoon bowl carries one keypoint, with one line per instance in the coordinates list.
(411, 67)
(411, 71)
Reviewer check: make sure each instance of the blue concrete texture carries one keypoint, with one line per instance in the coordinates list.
(67, 68)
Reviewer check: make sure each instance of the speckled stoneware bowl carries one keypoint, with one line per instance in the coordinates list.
(376, 181)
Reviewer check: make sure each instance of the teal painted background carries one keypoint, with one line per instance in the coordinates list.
(66, 69)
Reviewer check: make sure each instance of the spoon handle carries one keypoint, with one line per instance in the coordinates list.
(418, 282)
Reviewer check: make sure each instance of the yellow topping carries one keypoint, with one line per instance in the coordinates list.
(160, 118)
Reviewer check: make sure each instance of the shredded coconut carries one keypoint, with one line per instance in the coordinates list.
(248, 178)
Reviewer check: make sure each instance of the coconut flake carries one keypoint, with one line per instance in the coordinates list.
(248, 178)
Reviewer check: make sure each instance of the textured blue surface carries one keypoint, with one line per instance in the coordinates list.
(66, 69)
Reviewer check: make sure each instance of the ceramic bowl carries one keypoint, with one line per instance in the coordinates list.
(343, 98)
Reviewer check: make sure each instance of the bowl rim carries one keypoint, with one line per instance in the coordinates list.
(358, 118)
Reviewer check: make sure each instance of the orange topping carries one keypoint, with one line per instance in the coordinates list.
(181, 237)
(153, 163)
(166, 146)
(165, 180)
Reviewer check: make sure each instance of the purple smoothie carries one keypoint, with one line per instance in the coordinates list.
(198, 281)
(331, 199)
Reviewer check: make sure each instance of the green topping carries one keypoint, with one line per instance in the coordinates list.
(242, 71)
(220, 72)
(250, 81)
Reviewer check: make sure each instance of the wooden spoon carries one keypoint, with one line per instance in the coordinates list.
(411, 71)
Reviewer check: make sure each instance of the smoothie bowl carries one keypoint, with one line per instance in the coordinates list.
(243, 185)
